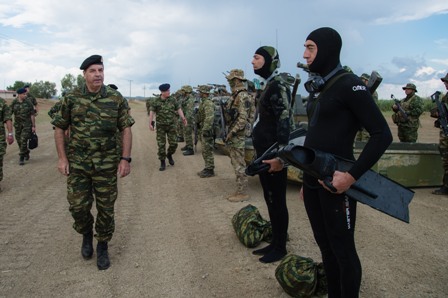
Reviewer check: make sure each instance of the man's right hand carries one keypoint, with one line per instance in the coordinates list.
(63, 167)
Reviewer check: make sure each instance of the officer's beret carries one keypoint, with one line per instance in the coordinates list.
(21, 91)
(113, 86)
(94, 59)
(164, 87)
(26, 86)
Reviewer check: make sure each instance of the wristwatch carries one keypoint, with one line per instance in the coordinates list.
(10, 134)
(128, 159)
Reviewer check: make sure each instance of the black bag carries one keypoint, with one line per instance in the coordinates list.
(33, 141)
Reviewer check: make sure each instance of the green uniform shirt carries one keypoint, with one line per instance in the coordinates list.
(166, 110)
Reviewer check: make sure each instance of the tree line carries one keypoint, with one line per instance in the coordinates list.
(48, 89)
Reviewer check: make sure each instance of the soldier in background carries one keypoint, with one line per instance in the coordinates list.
(178, 95)
(5, 119)
(443, 143)
(413, 107)
(24, 123)
(238, 113)
(187, 102)
(365, 78)
(31, 98)
(205, 118)
(91, 163)
(166, 109)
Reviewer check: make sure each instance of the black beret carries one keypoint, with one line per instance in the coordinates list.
(26, 86)
(164, 87)
(94, 59)
(21, 91)
(113, 86)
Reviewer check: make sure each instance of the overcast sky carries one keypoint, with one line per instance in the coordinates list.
(145, 43)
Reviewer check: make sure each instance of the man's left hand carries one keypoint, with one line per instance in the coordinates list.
(124, 168)
(275, 165)
(341, 181)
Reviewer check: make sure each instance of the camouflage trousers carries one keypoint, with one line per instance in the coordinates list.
(180, 128)
(407, 134)
(162, 134)
(207, 152)
(188, 134)
(443, 148)
(239, 166)
(362, 135)
(1, 165)
(93, 180)
(22, 134)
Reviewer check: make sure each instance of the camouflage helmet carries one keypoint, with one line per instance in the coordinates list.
(187, 89)
(410, 86)
(445, 79)
(347, 68)
(204, 89)
(365, 76)
(236, 73)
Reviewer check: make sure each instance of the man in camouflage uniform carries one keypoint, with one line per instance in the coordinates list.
(187, 101)
(363, 135)
(5, 119)
(239, 111)
(443, 142)
(413, 107)
(93, 112)
(166, 109)
(24, 123)
(178, 96)
(205, 119)
(31, 98)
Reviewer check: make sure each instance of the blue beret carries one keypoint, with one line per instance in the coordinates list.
(164, 87)
(94, 59)
(26, 86)
(21, 91)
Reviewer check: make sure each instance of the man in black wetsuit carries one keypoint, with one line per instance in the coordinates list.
(273, 124)
(339, 105)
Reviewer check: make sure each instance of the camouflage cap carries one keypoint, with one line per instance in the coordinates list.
(365, 76)
(410, 86)
(445, 79)
(204, 89)
(187, 89)
(236, 73)
(347, 68)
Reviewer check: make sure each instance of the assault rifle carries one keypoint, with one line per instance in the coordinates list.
(400, 108)
(442, 112)
(223, 120)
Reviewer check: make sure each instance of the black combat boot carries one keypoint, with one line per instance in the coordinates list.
(162, 165)
(87, 246)
(27, 156)
(21, 161)
(102, 256)
(206, 173)
(188, 151)
(170, 159)
(184, 148)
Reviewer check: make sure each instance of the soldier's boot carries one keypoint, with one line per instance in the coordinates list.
(238, 197)
(180, 139)
(162, 165)
(170, 159)
(184, 148)
(27, 156)
(188, 151)
(102, 256)
(87, 245)
(206, 173)
(441, 191)
(21, 161)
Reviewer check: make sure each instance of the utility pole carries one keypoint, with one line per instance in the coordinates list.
(144, 89)
(130, 88)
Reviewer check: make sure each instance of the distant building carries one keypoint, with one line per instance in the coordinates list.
(6, 94)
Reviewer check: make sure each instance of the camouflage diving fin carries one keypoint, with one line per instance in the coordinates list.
(372, 188)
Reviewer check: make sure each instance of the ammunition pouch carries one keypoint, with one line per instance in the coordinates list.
(398, 118)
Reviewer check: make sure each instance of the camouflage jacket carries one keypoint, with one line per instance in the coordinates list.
(188, 107)
(54, 109)
(5, 115)
(206, 114)
(166, 110)
(239, 113)
(93, 119)
(413, 106)
(32, 99)
(22, 112)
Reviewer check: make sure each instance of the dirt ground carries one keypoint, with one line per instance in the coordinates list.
(174, 236)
